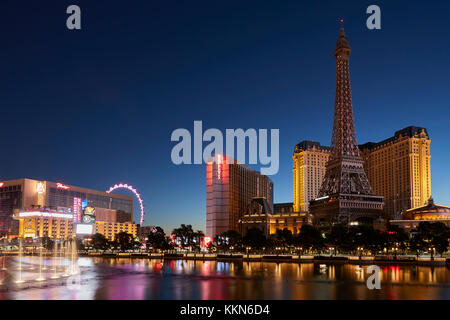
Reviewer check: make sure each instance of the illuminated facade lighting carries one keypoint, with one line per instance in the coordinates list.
(399, 169)
(44, 214)
(229, 188)
(219, 167)
(309, 162)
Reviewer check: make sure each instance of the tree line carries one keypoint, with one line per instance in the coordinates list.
(426, 238)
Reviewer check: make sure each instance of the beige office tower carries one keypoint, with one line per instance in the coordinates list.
(398, 168)
(310, 159)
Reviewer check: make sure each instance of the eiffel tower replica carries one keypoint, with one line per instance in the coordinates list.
(345, 195)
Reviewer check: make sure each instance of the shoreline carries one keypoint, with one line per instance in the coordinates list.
(407, 260)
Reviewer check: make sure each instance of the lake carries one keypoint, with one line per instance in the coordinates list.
(136, 278)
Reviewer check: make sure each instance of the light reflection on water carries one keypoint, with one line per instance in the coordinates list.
(127, 278)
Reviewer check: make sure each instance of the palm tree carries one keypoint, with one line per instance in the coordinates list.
(186, 236)
(157, 239)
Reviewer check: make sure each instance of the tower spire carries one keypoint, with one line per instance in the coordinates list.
(344, 176)
(342, 45)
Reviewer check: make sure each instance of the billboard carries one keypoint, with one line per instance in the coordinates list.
(85, 228)
(89, 215)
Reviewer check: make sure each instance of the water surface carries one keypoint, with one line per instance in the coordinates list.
(130, 278)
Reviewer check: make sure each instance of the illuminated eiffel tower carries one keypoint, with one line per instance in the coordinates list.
(345, 195)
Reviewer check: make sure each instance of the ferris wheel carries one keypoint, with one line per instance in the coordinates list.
(132, 189)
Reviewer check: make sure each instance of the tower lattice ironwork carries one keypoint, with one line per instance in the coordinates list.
(345, 193)
(345, 172)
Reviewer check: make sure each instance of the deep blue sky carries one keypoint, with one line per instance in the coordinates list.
(97, 106)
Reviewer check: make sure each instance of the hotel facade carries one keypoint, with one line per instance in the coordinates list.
(229, 190)
(33, 209)
(399, 169)
(431, 212)
(309, 162)
(259, 215)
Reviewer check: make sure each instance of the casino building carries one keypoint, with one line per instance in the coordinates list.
(259, 215)
(398, 168)
(229, 190)
(34, 208)
(431, 212)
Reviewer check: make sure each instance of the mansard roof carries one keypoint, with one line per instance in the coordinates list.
(409, 132)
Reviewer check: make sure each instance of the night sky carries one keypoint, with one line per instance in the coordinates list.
(97, 106)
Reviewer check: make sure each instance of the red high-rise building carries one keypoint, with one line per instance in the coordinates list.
(229, 190)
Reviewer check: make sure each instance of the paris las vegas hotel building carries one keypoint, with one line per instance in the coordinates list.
(31, 209)
(398, 169)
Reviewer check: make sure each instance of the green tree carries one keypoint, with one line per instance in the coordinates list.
(338, 237)
(310, 238)
(366, 237)
(435, 235)
(124, 241)
(99, 242)
(227, 239)
(157, 239)
(281, 238)
(394, 237)
(417, 244)
(255, 239)
(187, 236)
(198, 235)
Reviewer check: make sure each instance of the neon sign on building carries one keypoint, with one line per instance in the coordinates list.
(76, 209)
(62, 186)
(44, 214)
(40, 189)
(207, 242)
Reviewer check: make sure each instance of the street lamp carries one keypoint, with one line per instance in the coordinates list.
(331, 250)
(431, 249)
(360, 249)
